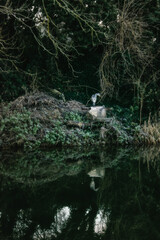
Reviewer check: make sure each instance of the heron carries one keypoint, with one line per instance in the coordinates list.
(94, 98)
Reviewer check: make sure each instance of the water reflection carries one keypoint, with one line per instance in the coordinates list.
(101, 219)
(21, 225)
(96, 173)
(59, 224)
(94, 195)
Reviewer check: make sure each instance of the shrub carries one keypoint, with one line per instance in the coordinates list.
(20, 127)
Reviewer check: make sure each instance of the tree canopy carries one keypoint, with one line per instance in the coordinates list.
(80, 47)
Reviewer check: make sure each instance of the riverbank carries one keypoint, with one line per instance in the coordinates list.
(39, 120)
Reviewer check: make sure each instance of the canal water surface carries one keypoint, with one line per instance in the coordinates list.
(80, 194)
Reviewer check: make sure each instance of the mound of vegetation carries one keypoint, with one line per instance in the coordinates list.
(40, 120)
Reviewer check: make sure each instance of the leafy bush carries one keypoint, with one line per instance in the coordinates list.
(73, 117)
(20, 127)
(60, 135)
(56, 136)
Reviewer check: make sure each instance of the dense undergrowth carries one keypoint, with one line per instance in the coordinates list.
(20, 130)
(42, 124)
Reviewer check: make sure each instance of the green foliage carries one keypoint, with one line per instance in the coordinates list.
(21, 127)
(126, 115)
(62, 136)
(56, 136)
(81, 137)
(73, 117)
(117, 133)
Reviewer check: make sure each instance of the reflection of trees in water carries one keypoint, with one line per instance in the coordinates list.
(57, 226)
(151, 157)
(125, 206)
(65, 208)
(22, 224)
(131, 194)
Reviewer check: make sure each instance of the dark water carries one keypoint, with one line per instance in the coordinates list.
(111, 194)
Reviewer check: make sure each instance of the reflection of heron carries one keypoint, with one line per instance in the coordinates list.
(96, 173)
(94, 98)
(93, 186)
